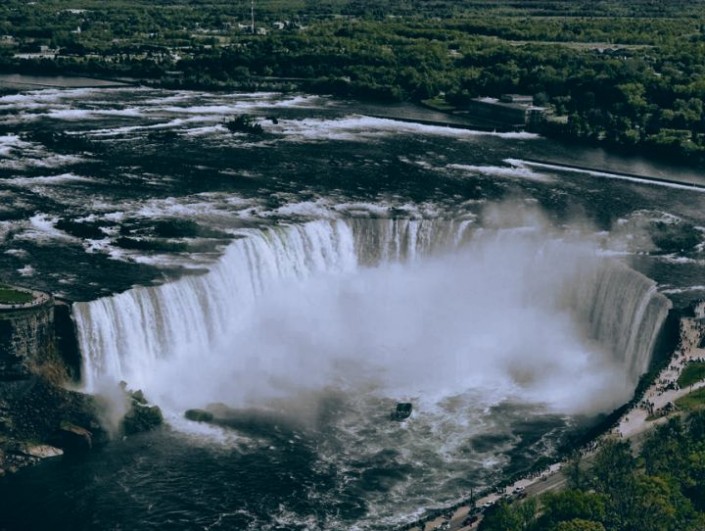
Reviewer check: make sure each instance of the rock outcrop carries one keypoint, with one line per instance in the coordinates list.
(199, 415)
(141, 416)
(37, 414)
(68, 422)
(27, 340)
(39, 417)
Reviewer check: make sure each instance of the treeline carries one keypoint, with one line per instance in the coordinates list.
(660, 489)
(626, 74)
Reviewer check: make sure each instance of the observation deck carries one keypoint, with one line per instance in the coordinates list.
(17, 298)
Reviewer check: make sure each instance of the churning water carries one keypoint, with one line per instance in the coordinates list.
(311, 278)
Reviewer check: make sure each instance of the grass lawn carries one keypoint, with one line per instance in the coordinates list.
(693, 401)
(692, 373)
(10, 295)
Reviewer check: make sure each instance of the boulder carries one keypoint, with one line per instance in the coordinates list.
(199, 415)
(141, 418)
(73, 439)
(41, 451)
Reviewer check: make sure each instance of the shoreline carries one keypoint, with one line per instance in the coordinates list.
(21, 82)
(654, 408)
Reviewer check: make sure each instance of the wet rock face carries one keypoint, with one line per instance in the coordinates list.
(40, 420)
(142, 416)
(73, 439)
(402, 411)
(26, 337)
(199, 415)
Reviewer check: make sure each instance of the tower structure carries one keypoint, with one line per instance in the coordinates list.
(252, 16)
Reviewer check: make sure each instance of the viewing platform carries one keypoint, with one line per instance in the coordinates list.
(16, 298)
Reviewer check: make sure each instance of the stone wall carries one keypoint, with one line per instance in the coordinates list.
(27, 337)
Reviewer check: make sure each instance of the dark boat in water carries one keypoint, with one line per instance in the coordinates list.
(402, 411)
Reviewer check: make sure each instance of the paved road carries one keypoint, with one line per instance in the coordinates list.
(531, 487)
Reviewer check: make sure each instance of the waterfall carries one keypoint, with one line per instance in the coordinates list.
(621, 310)
(129, 336)
(124, 335)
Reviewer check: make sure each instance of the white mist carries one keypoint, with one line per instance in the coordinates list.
(500, 316)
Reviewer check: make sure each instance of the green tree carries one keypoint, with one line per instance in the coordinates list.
(572, 504)
(502, 517)
(578, 524)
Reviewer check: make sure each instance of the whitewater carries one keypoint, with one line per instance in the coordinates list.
(366, 313)
(291, 307)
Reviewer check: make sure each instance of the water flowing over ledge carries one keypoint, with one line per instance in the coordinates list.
(130, 336)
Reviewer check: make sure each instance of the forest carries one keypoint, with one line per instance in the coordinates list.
(628, 75)
(660, 488)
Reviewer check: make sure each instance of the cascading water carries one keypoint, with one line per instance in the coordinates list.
(123, 336)
(497, 336)
(557, 298)
(623, 312)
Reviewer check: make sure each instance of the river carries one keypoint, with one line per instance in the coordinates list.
(311, 277)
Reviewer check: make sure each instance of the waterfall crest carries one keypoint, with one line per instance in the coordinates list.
(621, 310)
(127, 336)
(123, 336)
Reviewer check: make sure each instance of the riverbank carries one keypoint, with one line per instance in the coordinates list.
(655, 408)
(31, 82)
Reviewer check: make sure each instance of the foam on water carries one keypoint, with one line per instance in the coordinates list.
(27, 271)
(677, 259)
(379, 326)
(19, 154)
(319, 209)
(299, 101)
(672, 291)
(206, 130)
(93, 114)
(514, 172)
(363, 128)
(48, 96)
(41, 228)
(207, 110)
(11, 143)
(64, 178)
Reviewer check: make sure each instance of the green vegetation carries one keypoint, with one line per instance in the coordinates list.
(625, 74)
(692, 401)
(692, 373)
(661, 489)
(9, 295)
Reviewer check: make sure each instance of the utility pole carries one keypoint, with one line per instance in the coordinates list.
(252, 15)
